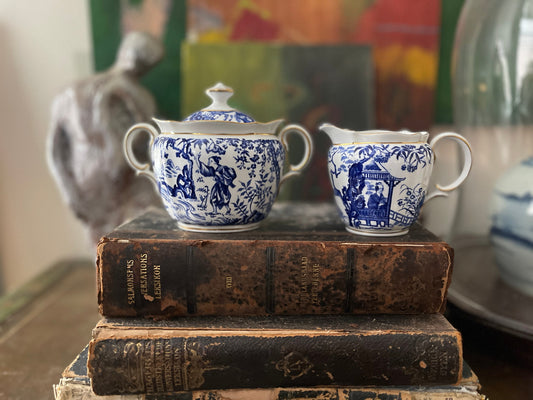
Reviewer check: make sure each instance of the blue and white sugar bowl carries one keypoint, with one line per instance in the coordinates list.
(380, 178)
(218, 170)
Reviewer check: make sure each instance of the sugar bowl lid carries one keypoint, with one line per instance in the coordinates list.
(219, 110)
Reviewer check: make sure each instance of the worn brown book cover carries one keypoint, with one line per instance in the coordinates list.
(136, 355)
(300, 261)
(74, 384)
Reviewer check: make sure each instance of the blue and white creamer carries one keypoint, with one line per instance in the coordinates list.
(218, 170)
(380, 178)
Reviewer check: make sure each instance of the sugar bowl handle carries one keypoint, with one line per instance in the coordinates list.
(140, 168)
(308, 149)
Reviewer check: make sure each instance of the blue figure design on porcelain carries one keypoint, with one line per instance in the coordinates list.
(370, 196)
(377, 201)
(224, 176)
(240, 194)
(219, 170)
(380, 177)
(352, 195)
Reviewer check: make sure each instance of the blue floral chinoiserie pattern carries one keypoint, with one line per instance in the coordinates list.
(378, 185)
(227, 116)
(214, 181)
(218, 170)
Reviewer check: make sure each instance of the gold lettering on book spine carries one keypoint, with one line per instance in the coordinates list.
(143, 274)
(157, 282)
(148, 367)
(130, 284)
(315, 282)
(168, 364)
(436, 363)
(304, 280)
(159, 366)
(177, 370)
(229, 282)
(309, 282)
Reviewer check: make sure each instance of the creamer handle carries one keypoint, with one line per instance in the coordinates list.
(140, 168)
(467, 155)
(308, 150)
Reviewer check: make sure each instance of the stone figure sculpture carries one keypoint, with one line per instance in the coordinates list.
(88, 123)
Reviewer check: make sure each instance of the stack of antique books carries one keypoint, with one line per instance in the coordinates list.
(297, 309)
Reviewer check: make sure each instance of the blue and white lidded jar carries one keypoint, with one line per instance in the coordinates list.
(218, 170)
(511, 232)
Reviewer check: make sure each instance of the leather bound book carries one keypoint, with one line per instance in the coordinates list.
(74, 384)
(136, 355)
(300, 261)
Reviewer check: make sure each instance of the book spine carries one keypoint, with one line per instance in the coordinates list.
(163, 363)
(360, 393)
(420, 394)
(77, 391)
(414, 393)
(165, 278)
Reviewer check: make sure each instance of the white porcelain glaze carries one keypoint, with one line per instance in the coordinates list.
(218, 127)
(380, 178)
(221, 173)
(340, 136)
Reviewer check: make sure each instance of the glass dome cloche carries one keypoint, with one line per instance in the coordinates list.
(492, 78)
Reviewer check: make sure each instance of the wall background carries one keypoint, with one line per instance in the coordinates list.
(44, 46)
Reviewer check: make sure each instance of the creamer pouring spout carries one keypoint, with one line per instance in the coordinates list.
(339, 136)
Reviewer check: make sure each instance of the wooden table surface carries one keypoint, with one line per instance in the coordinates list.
(42, 336)
(46, 324)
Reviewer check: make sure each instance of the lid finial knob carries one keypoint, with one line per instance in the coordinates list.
(220, 94)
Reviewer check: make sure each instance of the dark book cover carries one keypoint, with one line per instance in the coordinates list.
(129, 355)
(74, 384)
(300, 261)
